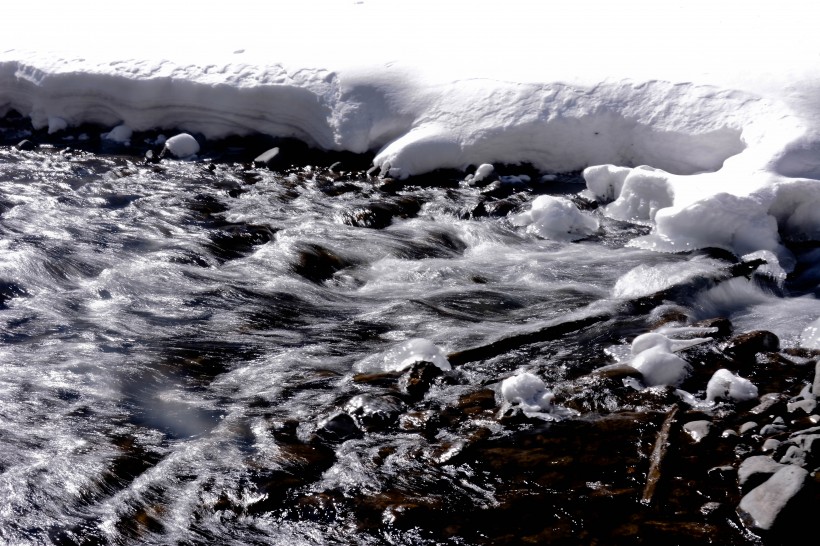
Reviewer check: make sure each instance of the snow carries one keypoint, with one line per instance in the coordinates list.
(557, 219)
(654, 356)
(182, 145)
(120, 133)
(724, 385)
(683, 114)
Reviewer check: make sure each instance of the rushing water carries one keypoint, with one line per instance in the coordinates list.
(176, 337)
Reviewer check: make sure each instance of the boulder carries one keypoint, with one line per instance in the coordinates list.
(775, 507)
(756, 470)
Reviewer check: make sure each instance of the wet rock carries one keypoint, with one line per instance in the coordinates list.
(698, 430)
(815, 389)
(748, 427)
(477, 402)
(777, 426)
(236, 241)
(26, 145)
(744, 347)
(374, 412)
(723, 325)
(338, 428)
(775, 506)
(617, 372)
(416, 381)
(723, 474)
(317, 264)
(770, 445)
(773, 403)
(380, 215)
(756, 470)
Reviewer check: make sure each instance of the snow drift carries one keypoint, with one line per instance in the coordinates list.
(698, 127)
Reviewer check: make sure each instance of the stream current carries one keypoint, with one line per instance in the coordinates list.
(179, 341)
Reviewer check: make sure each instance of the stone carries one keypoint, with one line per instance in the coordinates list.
(338, 428)
(756, 470)
(802, 406)
(774, 506)
(26, 145)
(770, 445)
(698, 430)
(744, 347)
(772, 403)
(723, 325)
(374, 412)
(416, 381)
(749, 426)
(794, 456)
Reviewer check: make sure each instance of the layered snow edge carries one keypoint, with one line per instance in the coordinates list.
(729, 168)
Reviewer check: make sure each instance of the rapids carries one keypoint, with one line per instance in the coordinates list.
(184, 344)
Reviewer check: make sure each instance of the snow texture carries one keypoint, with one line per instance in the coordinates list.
(724, 385)
(557, 219)
(683, 117)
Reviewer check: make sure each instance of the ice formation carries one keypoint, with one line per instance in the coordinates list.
(414, 350)
(528, 392)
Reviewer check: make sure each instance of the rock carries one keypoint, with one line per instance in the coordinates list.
(756, 470)
(770, 445)
(698, 430)
(338, 428)
(802, 406)
(773, 403)
(416, 381)
(775, 506)
(794, 456)
(317, 264)
(723, 325)
(374, 412)
(26, 145)
(721, 473)
(749, 426)
(744, 347)
(269, 159)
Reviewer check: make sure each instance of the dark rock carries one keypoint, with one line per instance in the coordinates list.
(756, 470)
(775, 506)
(477, 402)
(723, 473)
(336, 168)
(723, 325)
(744, 347)
(416, 381)
(374, 412)
(617, 372)
(771, 404)
(380, 215)
(26, 145)
(374, 171)
(338, 428)
(317, 264)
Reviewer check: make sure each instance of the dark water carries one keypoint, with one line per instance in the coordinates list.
(188, 356)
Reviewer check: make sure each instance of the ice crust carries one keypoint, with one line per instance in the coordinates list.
(683, 117)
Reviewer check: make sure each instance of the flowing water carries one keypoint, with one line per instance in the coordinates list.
(180, 340)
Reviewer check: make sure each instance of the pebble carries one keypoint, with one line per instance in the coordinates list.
(749, 426)
(770, 445)
(804, 406)
(698, 430)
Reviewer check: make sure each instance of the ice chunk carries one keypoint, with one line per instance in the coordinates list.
(724, 385)
(654, 357)
(557, 219)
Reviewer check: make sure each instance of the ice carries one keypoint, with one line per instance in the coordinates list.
(712, 146)
(556, 218)
(724, 385)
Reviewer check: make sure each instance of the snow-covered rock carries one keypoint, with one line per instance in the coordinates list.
(556, 218)
(724, 385)
(182, 146)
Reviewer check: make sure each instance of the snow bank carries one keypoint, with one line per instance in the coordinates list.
(730, 135)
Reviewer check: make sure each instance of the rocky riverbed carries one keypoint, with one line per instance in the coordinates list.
(200, 352)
